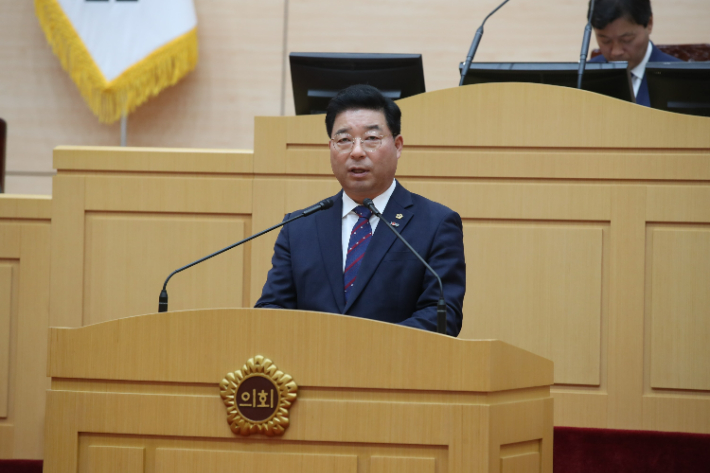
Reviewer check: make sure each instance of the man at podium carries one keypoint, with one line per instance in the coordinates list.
(623, 29)
(343, 260)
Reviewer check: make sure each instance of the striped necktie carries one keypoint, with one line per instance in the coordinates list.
(359, 239)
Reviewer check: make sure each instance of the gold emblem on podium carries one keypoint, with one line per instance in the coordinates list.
(258, 398)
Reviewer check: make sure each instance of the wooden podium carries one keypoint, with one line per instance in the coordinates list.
(142, 394)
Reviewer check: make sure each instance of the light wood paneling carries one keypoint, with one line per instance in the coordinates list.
(680, 303)
(7, 441)
(576, 406)
(176, 160)
(185, 461)
(540, 289)
(676, 412)
(67, 253)
(128, 256)
(681, 204)
(525, 463)
(123, 225)
(24, 308)
(6, 297)
(413, 465)
(216, 195)
(116, 459)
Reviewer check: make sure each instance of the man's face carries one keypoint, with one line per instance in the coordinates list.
(361, 172)
(624, 40)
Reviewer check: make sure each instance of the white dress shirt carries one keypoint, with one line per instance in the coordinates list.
(350, 218)
(638, 71)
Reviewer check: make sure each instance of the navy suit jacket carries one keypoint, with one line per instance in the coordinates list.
(642, 98)
(392, 285)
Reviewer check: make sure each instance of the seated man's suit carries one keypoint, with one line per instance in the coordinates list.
(392, 285)
(642, 98)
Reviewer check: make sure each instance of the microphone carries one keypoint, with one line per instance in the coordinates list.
(474, 44)
(441, 305)
(163, 299)
(585, 46)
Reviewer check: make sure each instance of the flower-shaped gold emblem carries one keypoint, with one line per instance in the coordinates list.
(258, 398)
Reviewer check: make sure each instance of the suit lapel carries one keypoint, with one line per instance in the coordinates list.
(382, 240)
(329, 229)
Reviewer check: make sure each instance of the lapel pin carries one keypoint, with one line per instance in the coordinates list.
(394, 224)
(399, 216)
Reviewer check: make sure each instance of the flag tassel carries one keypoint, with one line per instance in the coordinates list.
(108, 100)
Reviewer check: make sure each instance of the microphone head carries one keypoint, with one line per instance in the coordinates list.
(367, 202)
(326, 204)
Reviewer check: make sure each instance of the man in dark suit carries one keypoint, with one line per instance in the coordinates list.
(343, 260)
(623, 29)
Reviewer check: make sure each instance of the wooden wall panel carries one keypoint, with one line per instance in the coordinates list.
(122, 226)
(524, 463)
(680, 304)
(540, 288)
(185, 461)
(24, 315)
(413, 465)
(116, 459)
(128, 256)
(7, 294)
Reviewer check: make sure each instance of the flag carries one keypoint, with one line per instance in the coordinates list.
(119, 53)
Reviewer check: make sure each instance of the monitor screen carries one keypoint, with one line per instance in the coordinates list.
(317, 77)
(610, 79)
(681, 87)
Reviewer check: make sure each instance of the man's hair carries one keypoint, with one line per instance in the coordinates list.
(607, 11)
(361, 96)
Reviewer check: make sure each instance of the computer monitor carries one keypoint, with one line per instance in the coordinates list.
(681, 87)
(610, 79)
(317, 77)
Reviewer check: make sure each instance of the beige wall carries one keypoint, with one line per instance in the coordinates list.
(241, 72)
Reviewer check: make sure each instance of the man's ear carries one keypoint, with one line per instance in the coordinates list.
(399, 143)
(650, 25)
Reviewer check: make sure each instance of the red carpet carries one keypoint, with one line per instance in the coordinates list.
(583, 451)
(20, 466)
(621, 451)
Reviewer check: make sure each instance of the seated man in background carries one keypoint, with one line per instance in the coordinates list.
(622, 29)
(336, 262)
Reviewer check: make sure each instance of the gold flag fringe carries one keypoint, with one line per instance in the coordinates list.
(162, 68)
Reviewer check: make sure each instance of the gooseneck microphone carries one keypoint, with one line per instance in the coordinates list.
(585, 46)
(474, 45)
(441, 305)
(163, 299)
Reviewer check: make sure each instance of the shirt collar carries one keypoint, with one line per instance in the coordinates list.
(639, 70)
(380, 201)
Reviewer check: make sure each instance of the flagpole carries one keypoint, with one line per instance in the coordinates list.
(124, 127)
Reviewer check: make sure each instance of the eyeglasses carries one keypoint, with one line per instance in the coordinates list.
(343, 142)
